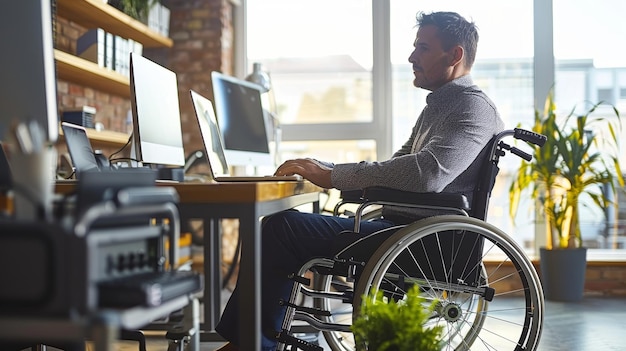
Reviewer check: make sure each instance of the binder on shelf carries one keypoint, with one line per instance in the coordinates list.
(109, 44)
(164, 23)
(158, 19)
(121, 57)
(135, 47)
(91, 46)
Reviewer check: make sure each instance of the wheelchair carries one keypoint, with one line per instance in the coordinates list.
(485, 291)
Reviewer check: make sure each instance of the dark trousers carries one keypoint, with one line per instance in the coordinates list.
(289, 239)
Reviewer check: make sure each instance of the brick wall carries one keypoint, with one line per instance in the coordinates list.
(601, 278)
(202, 35)
(605, 279)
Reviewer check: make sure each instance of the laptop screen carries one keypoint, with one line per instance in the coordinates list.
(210, 132)
(79, 147)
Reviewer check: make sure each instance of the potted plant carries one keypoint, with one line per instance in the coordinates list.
(137, 9)
(574, 162)
(396, 325)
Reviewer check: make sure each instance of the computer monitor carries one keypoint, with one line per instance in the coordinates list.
(27, 71)
(157, 133)
(241, 119)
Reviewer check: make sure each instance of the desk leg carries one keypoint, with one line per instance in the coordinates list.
(250, 282)
(192, 323)
(212, 273)
(105, 333)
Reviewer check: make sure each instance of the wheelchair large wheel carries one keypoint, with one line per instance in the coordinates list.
(486, 293)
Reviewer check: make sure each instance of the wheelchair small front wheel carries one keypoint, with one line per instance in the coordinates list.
(340, 313)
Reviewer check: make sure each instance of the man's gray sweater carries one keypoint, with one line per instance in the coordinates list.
(440, 155)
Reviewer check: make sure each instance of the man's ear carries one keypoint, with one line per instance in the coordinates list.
(456, 55)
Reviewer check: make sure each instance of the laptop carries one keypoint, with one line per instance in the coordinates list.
(78, 145)
(214, 147)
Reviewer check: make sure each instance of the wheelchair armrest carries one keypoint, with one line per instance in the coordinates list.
(352, 196)
(382, 194)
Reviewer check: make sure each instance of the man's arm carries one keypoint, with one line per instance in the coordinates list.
(447, 145)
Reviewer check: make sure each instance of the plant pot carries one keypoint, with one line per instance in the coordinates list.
(563, 273)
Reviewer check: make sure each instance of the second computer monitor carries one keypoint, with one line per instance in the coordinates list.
(157, 132)
(241, 120)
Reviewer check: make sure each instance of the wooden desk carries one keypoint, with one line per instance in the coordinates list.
(248, 202)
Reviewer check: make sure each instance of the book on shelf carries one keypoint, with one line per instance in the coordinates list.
(91, 46)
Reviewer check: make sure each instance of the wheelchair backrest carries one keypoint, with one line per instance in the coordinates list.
(486, 180)
(489, 169)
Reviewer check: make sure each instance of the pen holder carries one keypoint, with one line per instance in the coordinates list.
(33, 183)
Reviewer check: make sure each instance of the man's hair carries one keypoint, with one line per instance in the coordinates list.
(454, 30)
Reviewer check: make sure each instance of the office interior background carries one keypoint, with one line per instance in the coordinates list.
(343, 85)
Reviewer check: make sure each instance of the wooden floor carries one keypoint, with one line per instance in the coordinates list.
(594, 324)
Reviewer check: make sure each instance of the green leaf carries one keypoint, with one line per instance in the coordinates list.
(397, 325)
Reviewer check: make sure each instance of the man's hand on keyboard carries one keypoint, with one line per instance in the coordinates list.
(313, 170)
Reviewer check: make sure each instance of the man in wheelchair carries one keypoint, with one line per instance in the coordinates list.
(450, 134)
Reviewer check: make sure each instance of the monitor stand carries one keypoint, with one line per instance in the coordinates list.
(167, 173)
(176, 174)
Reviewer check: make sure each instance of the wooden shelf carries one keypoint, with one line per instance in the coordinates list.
(105, 138)
(78, 70)
(96, 14)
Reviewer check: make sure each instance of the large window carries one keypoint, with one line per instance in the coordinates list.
(342, 78)
(319, 55)
(590, 68)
